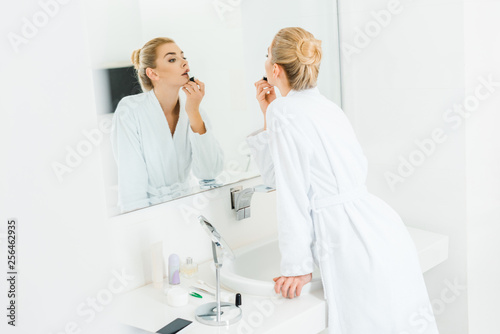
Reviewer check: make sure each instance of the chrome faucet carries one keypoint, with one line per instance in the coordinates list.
(241, 199)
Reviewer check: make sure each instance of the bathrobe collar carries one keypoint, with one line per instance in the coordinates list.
(182, 114)
(313, 90)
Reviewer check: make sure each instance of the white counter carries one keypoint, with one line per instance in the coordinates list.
(147, 307)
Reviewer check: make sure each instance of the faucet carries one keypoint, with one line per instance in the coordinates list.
(217, 313)
(241, 199)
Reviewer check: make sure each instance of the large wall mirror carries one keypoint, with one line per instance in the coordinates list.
(225, 43)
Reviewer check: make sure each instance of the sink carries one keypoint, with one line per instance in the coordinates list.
(254, 267)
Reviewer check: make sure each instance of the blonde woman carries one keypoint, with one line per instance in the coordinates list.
(308, 151)
(159, 136)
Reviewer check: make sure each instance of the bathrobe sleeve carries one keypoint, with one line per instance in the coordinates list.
(207, 155)
(132, 172)
(289, 165)
(258, 142)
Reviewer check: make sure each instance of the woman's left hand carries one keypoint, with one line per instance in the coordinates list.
(291, 286)
(194, 95)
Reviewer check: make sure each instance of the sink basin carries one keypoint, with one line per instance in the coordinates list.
(254, 267)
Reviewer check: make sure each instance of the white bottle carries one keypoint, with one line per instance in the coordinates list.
(157, 263)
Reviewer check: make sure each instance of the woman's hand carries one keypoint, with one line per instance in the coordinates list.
(265, 94)
(194, 95)
(291, 286)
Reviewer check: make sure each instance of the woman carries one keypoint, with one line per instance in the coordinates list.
(308, 151)
(159, 136)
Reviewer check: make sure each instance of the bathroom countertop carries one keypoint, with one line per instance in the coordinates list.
(147, 308)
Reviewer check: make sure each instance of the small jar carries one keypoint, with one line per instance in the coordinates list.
(189, 269)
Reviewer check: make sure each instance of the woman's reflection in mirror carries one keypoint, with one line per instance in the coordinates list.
(160, 137)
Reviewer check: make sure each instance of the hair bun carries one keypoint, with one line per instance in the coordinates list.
(309, 51)
(136, 58)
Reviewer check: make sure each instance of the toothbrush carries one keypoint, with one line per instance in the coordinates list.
(223, 291)
(201, 290)
(205, 284)
(225, 296)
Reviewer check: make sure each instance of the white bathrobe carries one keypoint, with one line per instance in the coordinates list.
(370, 270)
(153, 165)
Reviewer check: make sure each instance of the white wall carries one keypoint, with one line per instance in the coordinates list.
(112, 33)
(399, 83)
(483, 165)
(396, 89)
(46, 104)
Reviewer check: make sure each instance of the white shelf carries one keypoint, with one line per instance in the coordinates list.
(432, 247)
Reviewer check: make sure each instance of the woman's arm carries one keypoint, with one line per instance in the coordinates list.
(258, 142)
(207, 155)
(291, 160)
(265, 95)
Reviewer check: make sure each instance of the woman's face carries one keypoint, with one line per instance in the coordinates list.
(171, 66)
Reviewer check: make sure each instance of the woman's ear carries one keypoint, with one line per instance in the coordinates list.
(276, 70)
(152, 75)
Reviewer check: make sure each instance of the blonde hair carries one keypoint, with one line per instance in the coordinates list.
(146, 57)
(299, 53)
